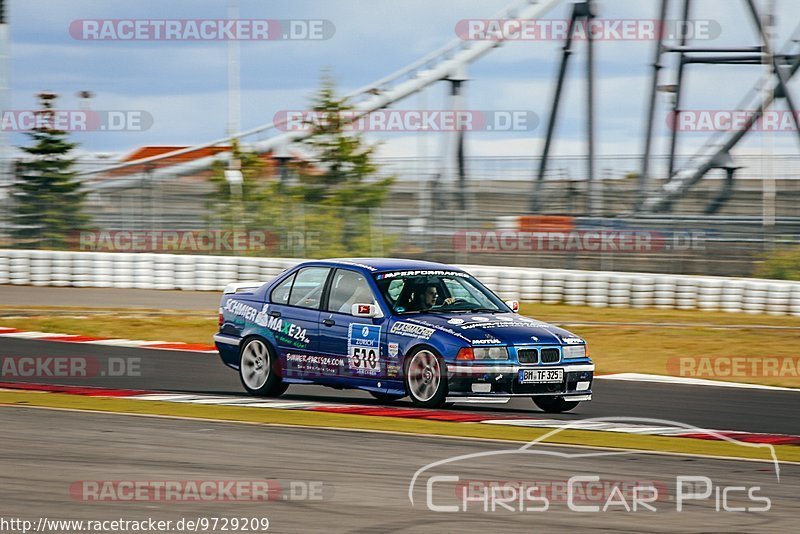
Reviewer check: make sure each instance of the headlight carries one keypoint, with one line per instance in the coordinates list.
(491, 353)
(574, 351)
(483, 353)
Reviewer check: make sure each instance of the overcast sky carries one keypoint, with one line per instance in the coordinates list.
(183, 84)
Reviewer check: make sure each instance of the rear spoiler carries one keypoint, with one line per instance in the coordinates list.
(245, 287)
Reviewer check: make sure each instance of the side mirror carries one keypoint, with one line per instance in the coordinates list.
(513, 304)
(365, 310)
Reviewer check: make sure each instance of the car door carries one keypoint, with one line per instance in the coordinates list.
(293, 318)
(354, 341)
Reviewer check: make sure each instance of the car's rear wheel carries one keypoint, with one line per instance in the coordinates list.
(384, 398)
(554, 404)
(258, 369)
(426, 379)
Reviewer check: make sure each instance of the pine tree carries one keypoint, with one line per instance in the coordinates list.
(47, 197)
(345, 160)
(340, 183)
(327, 200)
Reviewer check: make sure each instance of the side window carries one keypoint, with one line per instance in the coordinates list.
(457, 290)
(280, 295)
(395, 288)
(348, 288)
(461, 289)
(308, 286)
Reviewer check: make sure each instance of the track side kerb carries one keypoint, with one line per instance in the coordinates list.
(314, 419)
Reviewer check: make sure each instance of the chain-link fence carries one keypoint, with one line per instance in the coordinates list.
(429, 215)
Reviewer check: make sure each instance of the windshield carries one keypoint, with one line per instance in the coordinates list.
(446, 291)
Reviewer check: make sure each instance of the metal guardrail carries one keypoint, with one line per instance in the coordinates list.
(593, 288)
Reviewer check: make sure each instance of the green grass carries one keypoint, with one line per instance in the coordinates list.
(615, 348)
(172, 328)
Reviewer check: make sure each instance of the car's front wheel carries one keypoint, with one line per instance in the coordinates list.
(258, 369)
(426, 379)
(554, 404)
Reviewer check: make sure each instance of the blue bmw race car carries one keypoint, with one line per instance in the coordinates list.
(397, 328)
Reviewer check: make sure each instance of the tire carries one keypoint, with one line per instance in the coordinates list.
(426, 379)
(554, 404)
(384, 398)
(259, 370)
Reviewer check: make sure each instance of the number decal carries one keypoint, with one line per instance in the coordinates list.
(363, 349)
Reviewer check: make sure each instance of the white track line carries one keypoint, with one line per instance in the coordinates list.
(663, 379)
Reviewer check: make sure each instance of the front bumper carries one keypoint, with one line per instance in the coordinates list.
(498, 383)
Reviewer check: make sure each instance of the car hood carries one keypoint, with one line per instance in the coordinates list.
(495, 328)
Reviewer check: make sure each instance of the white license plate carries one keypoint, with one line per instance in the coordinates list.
(540, 376)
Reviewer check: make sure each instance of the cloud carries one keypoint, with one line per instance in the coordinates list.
(183, 85)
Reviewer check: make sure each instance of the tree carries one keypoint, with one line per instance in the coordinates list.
(229, 201)
(345, 161)
(325, 208)
(339, 188)
(47, 197)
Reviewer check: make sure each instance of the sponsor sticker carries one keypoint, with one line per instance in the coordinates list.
(284, 331)
(421, 273)
(392, 370)
(394, 349)
(363, 348)
(498, 324)
(306, 365)
(411, 330)
(440, 328)
(490, 341)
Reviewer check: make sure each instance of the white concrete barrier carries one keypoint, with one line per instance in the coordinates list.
(597, 289)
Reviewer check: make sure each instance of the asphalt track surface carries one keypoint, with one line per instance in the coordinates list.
(173, 371)
(364, 477)
(360, 480)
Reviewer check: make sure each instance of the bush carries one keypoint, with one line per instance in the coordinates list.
(782, 264)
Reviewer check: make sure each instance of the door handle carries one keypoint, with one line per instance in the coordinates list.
(329, 322)
(275, 313)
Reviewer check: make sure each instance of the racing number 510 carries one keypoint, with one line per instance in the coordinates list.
(368, 355)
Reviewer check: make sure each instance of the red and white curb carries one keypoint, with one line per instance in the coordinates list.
(74, 338)
(412, 413)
